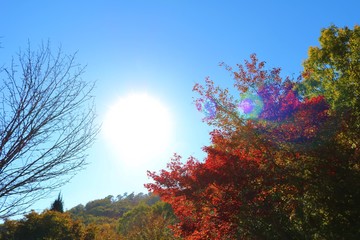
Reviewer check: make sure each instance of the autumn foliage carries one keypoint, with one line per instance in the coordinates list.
(126, 217)
(282, 175)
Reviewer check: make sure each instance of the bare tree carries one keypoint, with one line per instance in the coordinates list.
(47, 122)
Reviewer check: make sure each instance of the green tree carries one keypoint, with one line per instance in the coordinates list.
(333, 70)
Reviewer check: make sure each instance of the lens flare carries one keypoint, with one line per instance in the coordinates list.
(250, 106)
(207, 107)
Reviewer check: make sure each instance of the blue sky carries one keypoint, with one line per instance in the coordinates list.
(163, 48)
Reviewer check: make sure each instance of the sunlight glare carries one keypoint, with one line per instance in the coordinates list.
(138, 128)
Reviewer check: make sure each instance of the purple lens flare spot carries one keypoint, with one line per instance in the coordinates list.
(250, 106)
(247, 105)
(207, 107)
(210, 109)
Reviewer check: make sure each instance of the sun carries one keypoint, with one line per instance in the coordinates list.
(138, 127)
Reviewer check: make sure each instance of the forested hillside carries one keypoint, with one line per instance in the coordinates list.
(111, 207)
(127, 216)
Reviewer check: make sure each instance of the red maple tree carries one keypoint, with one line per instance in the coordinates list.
(257, 171)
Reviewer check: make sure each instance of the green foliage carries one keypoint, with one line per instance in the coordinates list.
(110, 208)
(333, 70)
(147, 222)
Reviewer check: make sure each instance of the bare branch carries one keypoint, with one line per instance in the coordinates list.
(47, 122)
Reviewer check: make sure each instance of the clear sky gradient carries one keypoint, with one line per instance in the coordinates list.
(163, 48)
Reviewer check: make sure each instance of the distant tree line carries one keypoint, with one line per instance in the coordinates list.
(133, 216)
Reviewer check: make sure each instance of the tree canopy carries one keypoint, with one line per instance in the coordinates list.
(333, 71)
(283, 161)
